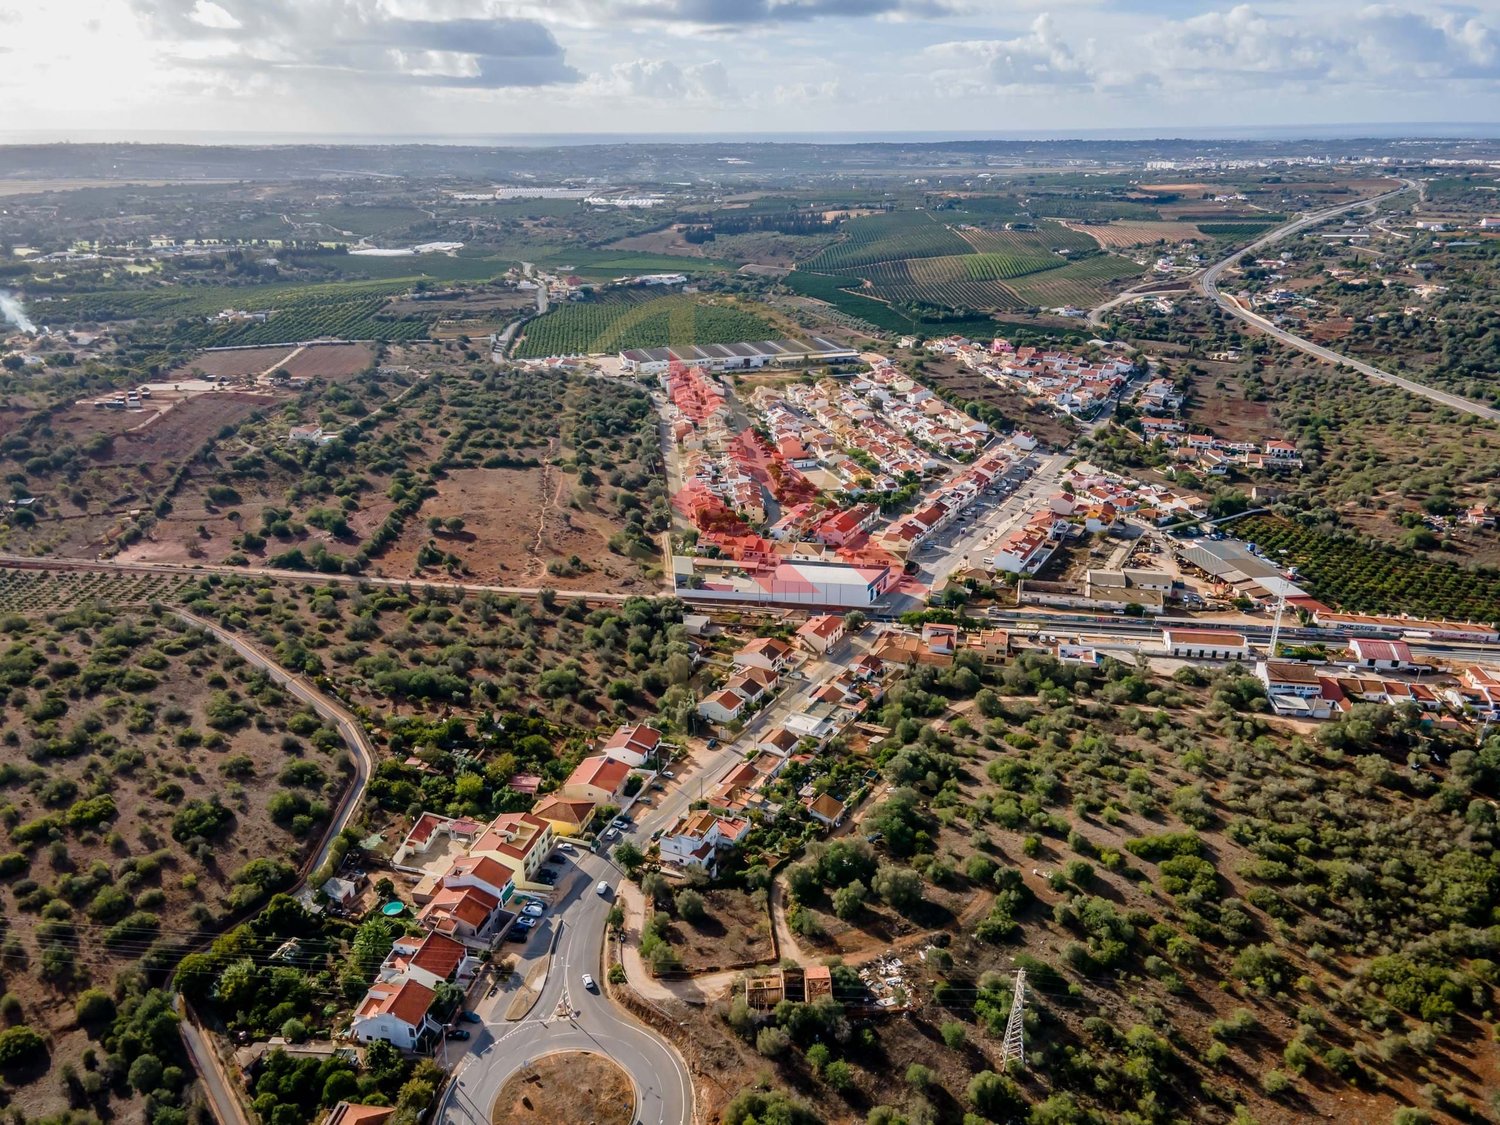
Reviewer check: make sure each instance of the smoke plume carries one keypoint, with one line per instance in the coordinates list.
(11, 310)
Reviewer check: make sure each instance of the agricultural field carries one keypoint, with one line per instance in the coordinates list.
(1081, 284)
(886, 237)
(1040, 244)
(1123, 233)
(34, 593)
(1363, 577)
(164, 786)
(639, 321)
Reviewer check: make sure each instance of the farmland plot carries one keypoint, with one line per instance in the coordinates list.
(1041, 243)
(884, 238)
(1080, 284)
(600, 327)
(1127, 233)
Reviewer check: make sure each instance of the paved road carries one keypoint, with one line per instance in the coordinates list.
(227, 1107)
(1209, 282)
(568, 1017)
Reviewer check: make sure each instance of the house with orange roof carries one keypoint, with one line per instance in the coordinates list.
(820, 635)
(828, 810)
(768, 654)
(633, 743)
(396, 1013)
(598, 778)
(520, 841)
(352, 1113)
(696, 839)
(723, 706)
(568, 816)
(461, 912)
(431, 959)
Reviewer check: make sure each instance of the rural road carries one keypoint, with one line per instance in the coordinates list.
(569, 1017)
(227, 1107)
(1209, 282)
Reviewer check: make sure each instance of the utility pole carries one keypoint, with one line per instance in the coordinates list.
(1014, 1047)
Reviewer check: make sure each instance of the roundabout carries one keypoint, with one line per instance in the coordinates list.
(566, 1086)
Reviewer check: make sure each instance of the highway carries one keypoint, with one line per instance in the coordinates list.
(1208, 281)
(567, 1016)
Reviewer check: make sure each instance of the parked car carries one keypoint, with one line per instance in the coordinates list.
(532, 910)
(669, 773)
(566, 847)
(525, 923)
(588, 982)
(458, 1033)
(602, 889)
(517, 935)
(621, 822)
(657, 834)
(611, 833)
(472, 1017)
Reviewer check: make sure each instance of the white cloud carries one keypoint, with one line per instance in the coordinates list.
(1040, 58)
(207, 14)
(664, 80)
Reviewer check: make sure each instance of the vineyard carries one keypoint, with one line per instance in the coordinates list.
(883, 238)
(1039, 244)
(1363, 577)
(1063, 208)
(1121, 234)
(600, 327)
(1234, 230)
(348, 309)
(1082, 284)
(43, 592)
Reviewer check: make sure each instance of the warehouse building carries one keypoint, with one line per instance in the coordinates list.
(1205, 644)
(736, 357)
(803, 582)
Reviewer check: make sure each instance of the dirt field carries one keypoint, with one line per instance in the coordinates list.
(1122, 233)
(329, 361)
(516, 522)
(570, 1086)
(233, 363)
(1225, 411)
(737, 930)
(171, 436)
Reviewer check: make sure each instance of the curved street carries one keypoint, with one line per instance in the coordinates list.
(1209, 282)
(566, 1015)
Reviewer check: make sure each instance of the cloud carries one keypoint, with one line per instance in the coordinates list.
(1040, 58)
(359, 39)
(1241, 43)
(665, 80)
(742, 13)
(1391, 40)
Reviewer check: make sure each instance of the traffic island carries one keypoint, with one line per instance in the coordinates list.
(567, 1086)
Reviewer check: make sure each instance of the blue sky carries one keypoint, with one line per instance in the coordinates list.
(547, 66)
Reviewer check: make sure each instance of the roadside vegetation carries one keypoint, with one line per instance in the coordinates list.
(1217, 916)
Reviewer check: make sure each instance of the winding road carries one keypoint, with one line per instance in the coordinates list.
(1208, 281)
(227, 1106)
(568, 1017)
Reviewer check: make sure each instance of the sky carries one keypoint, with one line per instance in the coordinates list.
(136, 68)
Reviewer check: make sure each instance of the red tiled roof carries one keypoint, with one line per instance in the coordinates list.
(599, 771)
(441, 956)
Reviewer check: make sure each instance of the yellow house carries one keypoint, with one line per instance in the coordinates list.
(568, 816)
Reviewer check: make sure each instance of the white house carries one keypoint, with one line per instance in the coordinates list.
(822, 634)
(766, 653)
(1386, 655)
(395, 1012)
(695, 840)
(722, 707)
(431, 959)
(633, 744)
(1204, 644)
(1282, 678)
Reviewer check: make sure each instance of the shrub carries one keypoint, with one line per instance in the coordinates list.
(772, 1042)
(20, 1045)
